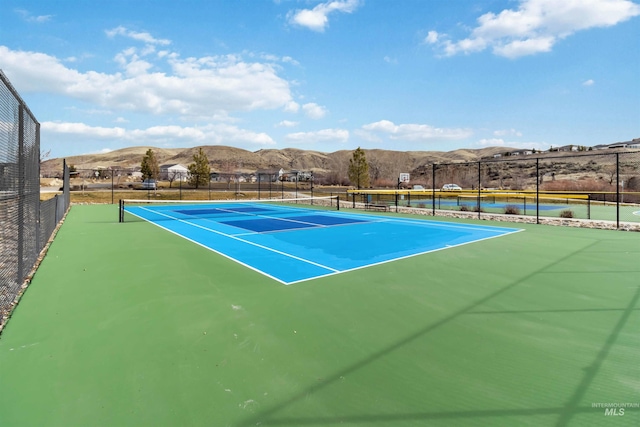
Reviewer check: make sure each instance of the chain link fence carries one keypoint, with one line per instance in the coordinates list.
(596, 186)
(118, 183)
(26, 223)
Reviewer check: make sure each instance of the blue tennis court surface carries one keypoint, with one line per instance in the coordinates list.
(293, 244)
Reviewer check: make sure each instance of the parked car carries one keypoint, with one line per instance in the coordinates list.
(418, 187)
(149, 184)
(451, 187)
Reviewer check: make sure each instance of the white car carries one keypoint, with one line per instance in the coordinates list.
(451, 187)
(149, 184)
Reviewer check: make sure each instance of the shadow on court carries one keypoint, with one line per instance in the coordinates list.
(565, 412)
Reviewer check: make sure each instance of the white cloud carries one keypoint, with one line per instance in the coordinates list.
(196, 87)
(212, 134)
(143, 37)
(367, 136)
(83, 129)
(314, 111)
(292, 107)
(589, 82)
(536, 25)
(287, 124)
(324, 135)
(432, 37)
(317, 19)
(507, 132)
(274, 58)
(27, 16)
(415, 132)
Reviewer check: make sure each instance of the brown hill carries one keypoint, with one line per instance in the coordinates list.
(383, 163)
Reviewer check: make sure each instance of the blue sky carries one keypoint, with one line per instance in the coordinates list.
(325, 75)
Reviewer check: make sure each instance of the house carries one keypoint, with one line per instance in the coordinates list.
(174, 172)
(635, 143)
(266, 175)
(522, 153)
(569, 148)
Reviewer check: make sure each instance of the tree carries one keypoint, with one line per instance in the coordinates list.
(199, 170)
(149, 166)
(359, 169)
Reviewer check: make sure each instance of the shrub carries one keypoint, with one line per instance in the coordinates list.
(511, 210)
(464, 208)
(567, 213)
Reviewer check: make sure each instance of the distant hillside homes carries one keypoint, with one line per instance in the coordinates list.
(633, 144)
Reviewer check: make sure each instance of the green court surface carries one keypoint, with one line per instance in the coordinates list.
(129, 325)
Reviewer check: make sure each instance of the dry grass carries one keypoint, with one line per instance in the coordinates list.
(106, 197)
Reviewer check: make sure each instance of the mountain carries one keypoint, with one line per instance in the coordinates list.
(230, 159)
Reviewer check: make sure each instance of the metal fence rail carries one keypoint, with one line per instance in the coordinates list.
(26, 224)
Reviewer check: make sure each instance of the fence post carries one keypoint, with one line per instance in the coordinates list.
(39, 242)
(112, 198)
(538, 190)
(21, 193)
(433, 190)
(479, 191)
(617, 190)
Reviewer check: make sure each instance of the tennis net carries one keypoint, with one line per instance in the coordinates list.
(219, 210)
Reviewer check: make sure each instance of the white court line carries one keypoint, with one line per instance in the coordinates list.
(249, 214)
(257, 233)
(333, 271)
(403, 257)
(428, 222)
(240, 240)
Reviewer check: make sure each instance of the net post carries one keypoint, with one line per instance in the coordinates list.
(120, 216)
(338, 202)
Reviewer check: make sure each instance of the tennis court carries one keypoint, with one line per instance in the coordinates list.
(568, 205)
(291, 242)
(127, 324)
